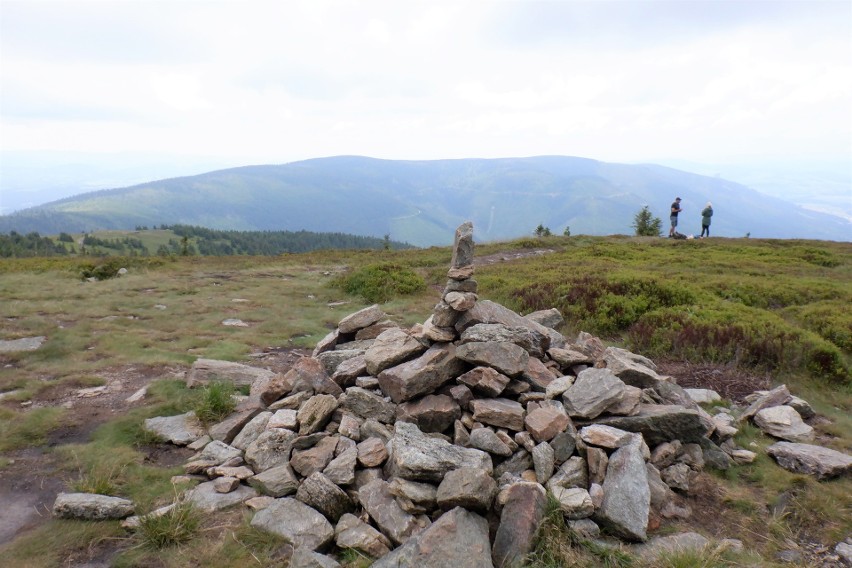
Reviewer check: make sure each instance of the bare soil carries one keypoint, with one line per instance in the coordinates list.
(30, 482)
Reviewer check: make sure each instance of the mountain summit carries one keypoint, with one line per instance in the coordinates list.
(420, 202)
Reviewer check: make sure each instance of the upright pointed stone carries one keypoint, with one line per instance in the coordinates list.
(463, 246)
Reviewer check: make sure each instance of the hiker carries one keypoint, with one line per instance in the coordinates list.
(705, 219)
(675, 210)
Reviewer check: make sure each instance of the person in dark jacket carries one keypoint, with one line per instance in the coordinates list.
(705, 219)
(673, 218)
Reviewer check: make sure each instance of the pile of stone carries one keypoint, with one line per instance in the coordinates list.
(438, 445)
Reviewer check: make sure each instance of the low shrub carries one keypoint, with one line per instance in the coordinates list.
(379, 283)
(602, 305)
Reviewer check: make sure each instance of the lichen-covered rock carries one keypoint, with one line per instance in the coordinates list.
(91, 507)
(417, 457)
(299, 524)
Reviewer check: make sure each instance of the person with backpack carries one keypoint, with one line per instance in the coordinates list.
(673, 218)
(705, 219)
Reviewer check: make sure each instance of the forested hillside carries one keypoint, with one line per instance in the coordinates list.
(184, 240)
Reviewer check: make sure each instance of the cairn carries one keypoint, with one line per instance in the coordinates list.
(438, 445)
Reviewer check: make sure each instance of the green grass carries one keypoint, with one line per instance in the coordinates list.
(178, 526)
(216, 401)
(27, 428)
(775, 307)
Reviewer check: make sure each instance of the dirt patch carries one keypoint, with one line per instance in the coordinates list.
(28, 487)
(731, 383)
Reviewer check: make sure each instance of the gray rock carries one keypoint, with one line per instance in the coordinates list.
(300, 525)
(306, 375)
(597, 461)
(327, 343)
(563, 445)
(524, 505)
(567, 358)
(785, 423)
(661, 494)
(486, 311)
(538, 375)
(634, 370)
(180, 430)
(367, 404)
(225, 484)
(460, 301)
(361, 319)
(844, 551)
(375, 330)
(822, 463)
(423, 375)
(487, 440)
(352, 532)
(270, 449)
(219, 452)
(205, 498)
(485, 380)
(574, 502)
(683, 542)
(286, 418)
(660, 423)
(319, 492)
(776, 397)
(417, 457)
(414, 497)
(348, 371)
(593, 392)
(572, 473)
(676, 476)
(458, 538)
(507, 358)
(703, 396)
(627, 498)
(803, 407)
(332, 360)
(22, 344)
(204, 371)
(467, 487)
(520, 462)
(374, 429)
(251, 431)
(432, 413)
(605, 436)
(463, 246)
(341, 470)
(499, 412)
(548, 318)
(315, 413)
(544, 462)
(499, 333)
(546, 422)
(91, 507)
(304, 558)
(392, 347)
(391, 519)
(585, 528)
(314, 459)
(557, 387)
(372, 452)
(230, 426)
(278, 481)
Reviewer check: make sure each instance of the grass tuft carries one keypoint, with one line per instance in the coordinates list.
(215, 402)
(177, 526)
(379, 283)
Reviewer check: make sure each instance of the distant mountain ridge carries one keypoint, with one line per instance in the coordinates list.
(421, 202)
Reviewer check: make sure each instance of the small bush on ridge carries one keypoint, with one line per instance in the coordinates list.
(379, 283)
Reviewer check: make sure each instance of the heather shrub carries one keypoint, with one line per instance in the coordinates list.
(379, 283)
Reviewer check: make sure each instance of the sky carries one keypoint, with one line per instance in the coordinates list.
(251, 82)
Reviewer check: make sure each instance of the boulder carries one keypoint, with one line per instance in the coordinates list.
(251, 431)
(785, 423)
(367, 404)
(499, 412)
(206, 499)
(593, 392)
(91, 507)
(487, 440)
(423, 375)
(703, 396)
(633, 369)
(776, 397)
(180, 430)
(372, 452)
(416, 498)
(499, 333)
(316, 458)
(544, 462)
(205, 371)
(297, 523)
(458, 538)
(463, 246)
(322, 494)
(524, 505)
(486, 311)
(391, 347)
(315, 413)
(548, 318)
(233, 424)
(383, 508)
(605, 436)
(574, 502)
(485, 380)
(432, 413)
(348, 371)
(460, 301)
(304, 558)
(507, 358)
(417, 457)
(270, 449)
(546, 422)
(627, 498)
(341, 470)
(352, 532)
(278, 481)
(361, 319)
(822, 463)
(660, 423)
(468, 487)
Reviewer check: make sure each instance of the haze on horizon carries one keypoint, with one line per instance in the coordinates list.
(142, 90)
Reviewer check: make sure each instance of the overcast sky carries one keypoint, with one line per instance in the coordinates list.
(276, 81)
